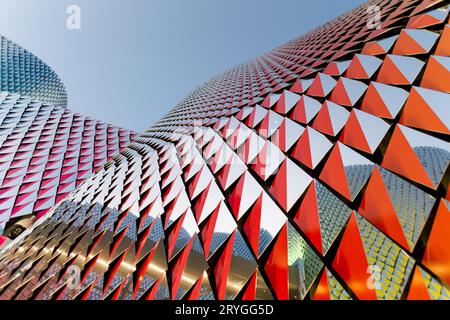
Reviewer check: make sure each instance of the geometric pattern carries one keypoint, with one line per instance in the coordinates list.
(23, 73)
(46, 151)
(318, 170)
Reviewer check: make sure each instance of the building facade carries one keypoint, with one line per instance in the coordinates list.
(46, 150)
(23, 73)
(318, 170)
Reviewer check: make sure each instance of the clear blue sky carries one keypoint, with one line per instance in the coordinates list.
(133, 60)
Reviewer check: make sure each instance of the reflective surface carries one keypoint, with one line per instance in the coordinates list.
(318, 170)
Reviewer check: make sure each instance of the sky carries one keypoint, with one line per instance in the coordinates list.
(134, 60)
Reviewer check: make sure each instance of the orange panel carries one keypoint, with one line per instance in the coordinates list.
(307, 217)
(443, 48)
(418, 114)
(418, 289)
(374, 104)
(222, 268)
(322, 122)
(390, 74)
(322, 292)
(194, 293)
(352, 134)
(339, 94)
(334, 175)
(437, 252)
(351, 262)
(401, 159)
(302, 151)
(406, 45)
(252, 226)
(250, 291)
(372, 48)
(436, 76)
(276, 266)
(376, 206)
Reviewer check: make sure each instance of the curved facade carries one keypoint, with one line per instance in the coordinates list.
(24, 73)
(318, 170)
(46, 150)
